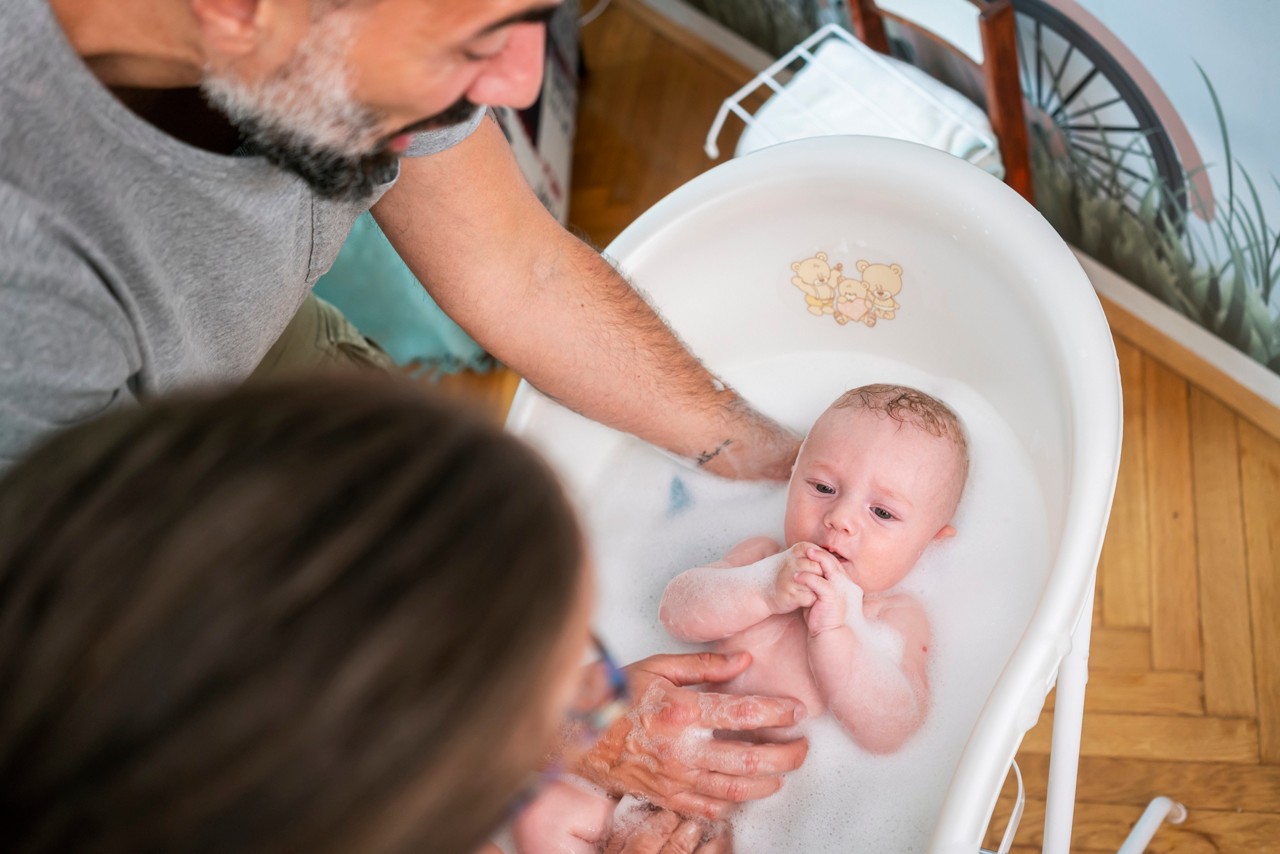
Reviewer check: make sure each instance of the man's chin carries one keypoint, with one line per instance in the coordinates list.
(455, 114)
(342, 176)
(331, 175)
(398, 143)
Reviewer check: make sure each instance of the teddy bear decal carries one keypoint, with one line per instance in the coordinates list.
(866, 300)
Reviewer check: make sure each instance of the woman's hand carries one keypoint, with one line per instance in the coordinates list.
(662, 750)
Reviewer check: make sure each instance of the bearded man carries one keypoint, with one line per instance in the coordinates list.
(176, 174)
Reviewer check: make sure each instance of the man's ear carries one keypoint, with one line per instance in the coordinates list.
(229, 27)
(944, 532)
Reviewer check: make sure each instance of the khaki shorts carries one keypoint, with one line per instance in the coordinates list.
(319, 338)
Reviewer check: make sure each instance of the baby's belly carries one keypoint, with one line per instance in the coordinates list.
(779, 648)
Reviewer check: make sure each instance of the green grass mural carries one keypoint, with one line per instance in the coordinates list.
(1222, 275)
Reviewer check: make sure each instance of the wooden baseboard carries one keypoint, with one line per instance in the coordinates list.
(1184, 361)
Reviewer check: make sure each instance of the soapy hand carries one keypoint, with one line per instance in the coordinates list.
(662, 750)
(790, 593)
(833, 592)
(664, 832)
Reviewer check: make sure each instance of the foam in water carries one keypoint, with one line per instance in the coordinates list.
(650, 518)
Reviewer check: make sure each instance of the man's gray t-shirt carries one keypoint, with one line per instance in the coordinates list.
(132, 263)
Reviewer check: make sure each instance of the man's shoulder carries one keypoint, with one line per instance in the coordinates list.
(67, 349)
(37, 242)
(59, 316)
(23, 218)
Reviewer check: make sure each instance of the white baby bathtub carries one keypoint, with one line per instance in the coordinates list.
(993, 310)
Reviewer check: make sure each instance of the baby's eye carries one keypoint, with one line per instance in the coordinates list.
(823, 489)
(881, 513)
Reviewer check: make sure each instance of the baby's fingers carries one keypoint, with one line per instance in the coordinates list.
(824, 559)
(821, 587)
(800, 593)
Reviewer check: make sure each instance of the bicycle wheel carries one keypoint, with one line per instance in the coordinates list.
(1081, 103)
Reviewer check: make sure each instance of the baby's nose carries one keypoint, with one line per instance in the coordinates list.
(841, 518)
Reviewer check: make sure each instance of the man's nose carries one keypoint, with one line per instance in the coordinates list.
(513, 77)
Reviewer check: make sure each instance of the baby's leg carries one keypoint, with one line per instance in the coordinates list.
(569, 817)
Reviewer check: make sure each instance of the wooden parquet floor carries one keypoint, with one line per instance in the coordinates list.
(1184, 691)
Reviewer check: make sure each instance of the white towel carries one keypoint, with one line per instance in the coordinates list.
(874, 100)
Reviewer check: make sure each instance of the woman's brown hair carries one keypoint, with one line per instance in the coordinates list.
(314, 616)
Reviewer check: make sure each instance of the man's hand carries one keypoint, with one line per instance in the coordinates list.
(662, 750)
(664, 832)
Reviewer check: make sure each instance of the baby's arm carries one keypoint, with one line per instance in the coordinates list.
(880, 694)
(754, 581)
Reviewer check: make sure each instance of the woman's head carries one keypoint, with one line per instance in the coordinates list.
(326, 616)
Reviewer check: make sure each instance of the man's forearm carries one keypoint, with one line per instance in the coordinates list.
(553, 310)
(626, 368)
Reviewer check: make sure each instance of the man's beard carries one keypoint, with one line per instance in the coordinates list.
(304, 118)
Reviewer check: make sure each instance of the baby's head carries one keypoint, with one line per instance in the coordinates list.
(878, 478)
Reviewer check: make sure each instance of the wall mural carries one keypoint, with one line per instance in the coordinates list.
(1117, 169)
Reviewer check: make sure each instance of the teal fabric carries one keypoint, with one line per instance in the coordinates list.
(376, 291)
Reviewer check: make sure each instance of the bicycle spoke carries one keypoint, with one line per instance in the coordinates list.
(1022, 58)
(1109, 162)
(1134, 148)
(1039, 64)
(1107, 128)
(1109, 183)
(1062, 67)
(1093, 108)
(1111, 150)
(1079, 87)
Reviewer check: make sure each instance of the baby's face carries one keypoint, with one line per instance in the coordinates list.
(872, 491)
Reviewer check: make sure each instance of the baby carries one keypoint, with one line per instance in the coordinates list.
(878, 479)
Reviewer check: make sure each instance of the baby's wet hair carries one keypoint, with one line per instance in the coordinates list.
(910, 406)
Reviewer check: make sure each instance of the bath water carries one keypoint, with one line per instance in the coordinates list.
(651, 517)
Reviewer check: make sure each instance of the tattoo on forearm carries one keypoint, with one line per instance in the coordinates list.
(707, 456)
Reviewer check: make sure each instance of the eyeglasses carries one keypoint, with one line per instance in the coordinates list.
(602, 696)
(602, 699)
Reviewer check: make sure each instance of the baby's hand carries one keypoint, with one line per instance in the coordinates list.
(564, 819)
(789, 592)
(832, 592)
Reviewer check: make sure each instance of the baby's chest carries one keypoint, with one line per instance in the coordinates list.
(779, 648)
(778, 644)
